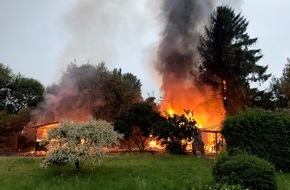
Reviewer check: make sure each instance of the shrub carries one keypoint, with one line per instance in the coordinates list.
(262, 133)
(174, 131)
(221, 186)
(137, 124)
(75, 142)
(246, 170)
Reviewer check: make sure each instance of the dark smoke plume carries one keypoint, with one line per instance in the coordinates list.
(183, 19)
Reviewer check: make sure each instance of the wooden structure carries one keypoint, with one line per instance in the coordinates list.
(218, 139)
(41, 134)
(42, 130)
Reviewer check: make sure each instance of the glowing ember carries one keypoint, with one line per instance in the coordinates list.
(155, 144)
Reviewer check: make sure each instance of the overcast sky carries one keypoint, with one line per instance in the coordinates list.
(39, 37)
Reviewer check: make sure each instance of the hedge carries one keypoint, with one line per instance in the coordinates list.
(262, 133)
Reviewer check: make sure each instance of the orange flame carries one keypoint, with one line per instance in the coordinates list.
(206, 105)
(42, 130)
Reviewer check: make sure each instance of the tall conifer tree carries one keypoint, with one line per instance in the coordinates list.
(228, 62)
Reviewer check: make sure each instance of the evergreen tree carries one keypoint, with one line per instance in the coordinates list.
(228, 63)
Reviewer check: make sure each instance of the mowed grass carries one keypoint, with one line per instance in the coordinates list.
(117, 171)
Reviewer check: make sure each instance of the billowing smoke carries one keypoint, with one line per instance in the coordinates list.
(177, 54)
(74, 98)
(110, 31)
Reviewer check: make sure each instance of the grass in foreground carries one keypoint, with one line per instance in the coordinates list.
(119, 171)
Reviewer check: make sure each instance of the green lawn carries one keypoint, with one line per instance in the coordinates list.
(118, 171)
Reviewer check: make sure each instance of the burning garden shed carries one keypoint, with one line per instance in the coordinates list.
(41, 134)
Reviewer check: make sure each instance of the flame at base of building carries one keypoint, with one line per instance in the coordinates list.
(206, 106)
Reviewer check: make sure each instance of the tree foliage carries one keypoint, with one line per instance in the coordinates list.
(120, 92)
(246, 170)
(285, 81)
(276, 96)
(75, 142)
(280, 88)
(175, 131)
(137, 124)
(18, 92)
(228, 63)
(262, 133)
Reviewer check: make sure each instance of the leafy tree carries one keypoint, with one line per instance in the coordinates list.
(228, 63)
(285, 82)
(277, 96)
(280, 88)
(75, 142)
(137, 124)
(263, 99)
(5, 75)
(119, 93)
(174, 131)
(18, 92)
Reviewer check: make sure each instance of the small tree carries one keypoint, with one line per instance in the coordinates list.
(137, 123)
(174, 131)
(75, 142)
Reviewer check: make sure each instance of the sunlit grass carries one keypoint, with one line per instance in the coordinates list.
(117, 171)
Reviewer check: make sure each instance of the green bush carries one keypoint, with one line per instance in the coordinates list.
(262, 133)
(246, 170)
(221, 186)
(174, 130)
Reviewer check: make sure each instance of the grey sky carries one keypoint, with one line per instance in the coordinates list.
(38, 38)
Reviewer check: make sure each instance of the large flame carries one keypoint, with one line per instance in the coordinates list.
(205, 104)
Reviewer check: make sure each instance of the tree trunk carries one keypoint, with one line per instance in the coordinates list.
(77, 165)
(224, 95)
